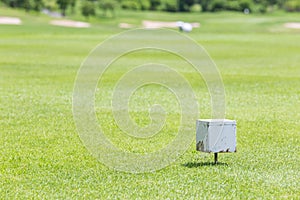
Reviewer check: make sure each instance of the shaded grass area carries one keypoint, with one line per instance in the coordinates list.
(42, 156)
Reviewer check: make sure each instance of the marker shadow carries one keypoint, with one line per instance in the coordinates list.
(203, 164)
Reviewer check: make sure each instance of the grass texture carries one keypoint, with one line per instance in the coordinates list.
(42, 156)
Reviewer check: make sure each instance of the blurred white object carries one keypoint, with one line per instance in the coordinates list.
(246, 11)
(183, 26)
(165, 24)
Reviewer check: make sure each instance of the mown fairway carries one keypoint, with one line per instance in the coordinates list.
(42, 156)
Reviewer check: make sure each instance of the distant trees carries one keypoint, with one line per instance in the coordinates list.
(292, 6)
(88, 9)
(73, 4)
(63, 5)
(108, 7)
(154, 4)
(26, 4)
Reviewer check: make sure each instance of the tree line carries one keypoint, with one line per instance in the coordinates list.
(88, 7)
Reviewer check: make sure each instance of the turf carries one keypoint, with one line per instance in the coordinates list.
(42, 156)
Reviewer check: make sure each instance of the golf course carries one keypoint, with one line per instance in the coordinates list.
(42, 155)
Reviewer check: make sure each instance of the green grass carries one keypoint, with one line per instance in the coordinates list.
(42, 156)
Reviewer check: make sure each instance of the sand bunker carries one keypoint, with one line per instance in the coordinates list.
(295, 25)
(160, 24)
(70, 23)
(10, 20)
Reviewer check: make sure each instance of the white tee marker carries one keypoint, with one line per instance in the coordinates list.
(216, 135)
